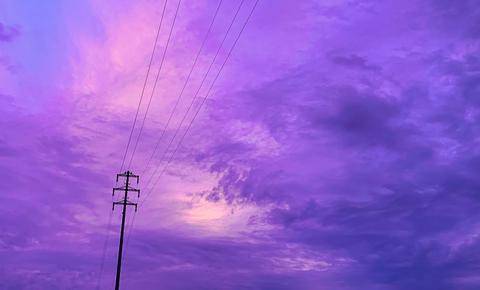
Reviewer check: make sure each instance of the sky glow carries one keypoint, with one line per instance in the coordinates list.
(338, 149)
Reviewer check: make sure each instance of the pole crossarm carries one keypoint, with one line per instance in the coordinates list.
(128, 174)
(121, 202)
(128, 189)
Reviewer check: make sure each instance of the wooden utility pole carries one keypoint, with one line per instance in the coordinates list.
(124, 203)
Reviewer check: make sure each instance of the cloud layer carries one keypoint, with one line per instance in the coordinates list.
(339, 149)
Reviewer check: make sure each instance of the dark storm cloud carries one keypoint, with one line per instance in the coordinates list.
(406, 203)
(353, 61)
(458, 17)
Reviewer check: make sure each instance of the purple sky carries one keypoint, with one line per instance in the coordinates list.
(339, 149)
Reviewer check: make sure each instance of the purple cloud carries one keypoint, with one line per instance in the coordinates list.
(8, 33)
(339, 150)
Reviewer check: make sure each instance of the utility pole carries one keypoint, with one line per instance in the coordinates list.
(124, 202)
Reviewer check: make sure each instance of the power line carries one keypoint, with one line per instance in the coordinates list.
(105, 246)
(199, 108)
(155, 83)
(184, 85)
(198, 90)
(144, 86)
(130, 228)
(193, 99)
(128, 235)
(148, 107)
(203, 101)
